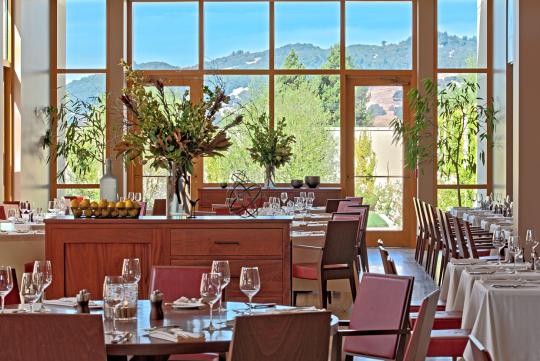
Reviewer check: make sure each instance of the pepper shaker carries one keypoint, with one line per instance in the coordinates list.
(83, 299)
(156, 300)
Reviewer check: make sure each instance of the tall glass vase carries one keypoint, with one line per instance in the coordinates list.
(178, 193)
(269, 174)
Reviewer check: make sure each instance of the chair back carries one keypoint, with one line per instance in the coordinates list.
(388, 263)
(3, 215)
(347, 206)
(417, 347)
(446, 233)
(332, 205)
(419, 223)
(177, 281)
(340, 243)
(382, 303)
(460, 239)
(284, 337)
(13, 297)
(479, 352)
(159, 208)
(357, 200)
(52, 337)
(470, 240)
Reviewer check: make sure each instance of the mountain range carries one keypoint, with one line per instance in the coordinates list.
(454, 52)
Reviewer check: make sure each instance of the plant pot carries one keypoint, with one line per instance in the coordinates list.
(269, 173)
(297, 183)
(312, 181)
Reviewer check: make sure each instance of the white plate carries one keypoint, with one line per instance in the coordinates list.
(187, 306)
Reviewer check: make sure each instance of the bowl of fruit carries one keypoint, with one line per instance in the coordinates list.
(105, 209)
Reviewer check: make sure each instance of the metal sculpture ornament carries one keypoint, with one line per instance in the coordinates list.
(245, 196)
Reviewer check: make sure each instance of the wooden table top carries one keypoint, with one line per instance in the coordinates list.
(163, 219)
(189, 320)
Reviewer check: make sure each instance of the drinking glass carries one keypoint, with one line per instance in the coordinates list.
(51, 207)
(6, 283)
(303, 195)
(31, 288)
(113, 295)
(211, 292)
(284, 196)
(250, 283)
(12, 214)
(222, 267)
(138, 197)
(59, 205)
(499, 242)
(311, 195)
(530, 240)
(131, 270)
(514, 248)
(43, 269)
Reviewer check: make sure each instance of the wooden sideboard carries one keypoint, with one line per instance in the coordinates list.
(83, 251)
(217, 195)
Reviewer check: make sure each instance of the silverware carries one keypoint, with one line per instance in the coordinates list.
(121, 338)
(154, 328)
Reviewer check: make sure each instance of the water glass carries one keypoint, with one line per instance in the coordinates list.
(284, 196)
(514, 248)
(222, 267)
(250, 283)
(211, 292)
(43, 269)
(131, 195)
(499, 242)
(51, 207)
(138, 197)
(113, 295)
(131, 270)
(6, 283)
(31, 288)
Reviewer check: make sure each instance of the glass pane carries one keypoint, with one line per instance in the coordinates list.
(478, 173)
(310, 105)
(83, 96)
(90, 193)
(81, 34)
(379, 34)
(385, 198)
(154, 188)
(236, 35)
(448, 198)
(306, 34)
(462, 35)
(249, 96)
(165, 35)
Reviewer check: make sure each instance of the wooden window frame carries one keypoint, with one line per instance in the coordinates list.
(8, 73)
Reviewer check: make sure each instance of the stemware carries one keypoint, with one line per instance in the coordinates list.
(211, 292)
(499, 242)
(284, 196)
(222, 267)
(531, 241)
(43, 269)
(113, 295)
(514, 249)
(31, 288)
(51, 207)
(6, 283)
(250, 283)
(131, 270)
(131, 196)
(138, 197)
(12, 214)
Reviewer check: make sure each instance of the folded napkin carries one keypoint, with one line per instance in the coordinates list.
(71, 302)
(288, 310)
(176, 335)
(188, 302)
(466, 262)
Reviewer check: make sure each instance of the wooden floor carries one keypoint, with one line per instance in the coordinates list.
(406, 265)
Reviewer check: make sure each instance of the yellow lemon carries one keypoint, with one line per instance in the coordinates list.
(103, 203)
(120, 205)
(111, 204)
(74, 203)
(129, 203)
(85, 203)
(94, 204)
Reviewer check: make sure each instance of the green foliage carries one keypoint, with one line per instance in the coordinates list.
(270, 146)
(365, 161)
(80, 146)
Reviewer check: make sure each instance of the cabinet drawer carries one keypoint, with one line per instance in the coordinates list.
(220, 241)
(271, 274)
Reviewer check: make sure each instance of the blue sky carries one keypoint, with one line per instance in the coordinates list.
(168, 31)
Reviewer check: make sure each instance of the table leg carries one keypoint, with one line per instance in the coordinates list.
(335, 352)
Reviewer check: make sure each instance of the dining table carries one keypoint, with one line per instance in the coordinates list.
(140, 347)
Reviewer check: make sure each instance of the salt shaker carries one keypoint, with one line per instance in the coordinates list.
(83, 299)
(156, 300)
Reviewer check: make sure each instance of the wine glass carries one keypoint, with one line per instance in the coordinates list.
(311, 195)
(45, 269)
(6, 283)
(131, 195)
(138, 197)
(499, 242)
(514, 248)
(131, 270)
(12, 214)
(211, 292)
(113, 295)
(51, 207)
(250, 283)
(31, 288)
(284, 196)
(530, 240)
(222, 267)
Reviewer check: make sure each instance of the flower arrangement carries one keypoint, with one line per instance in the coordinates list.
(170, 133)
(270, 147)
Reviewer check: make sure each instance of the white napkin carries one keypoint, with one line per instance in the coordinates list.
(71, 302)
(466, 262)
(176, 335)
(288, 310)
(188, 302)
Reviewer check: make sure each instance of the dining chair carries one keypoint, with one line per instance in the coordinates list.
(337, 259)
(3, 215)
(52, 337)
(482, 251)
(425, 233)
(347, 206)
(333, 204)
(388, 263)
(361, 213)
(435, 243)
(301, 336)
(358, 200)
(176, 282)
(479, 352)
(13, 297)
(159, 207)
(419, 230)
(378, 326)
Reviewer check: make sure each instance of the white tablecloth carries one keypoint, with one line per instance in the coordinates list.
(505, 321)
(451, 277)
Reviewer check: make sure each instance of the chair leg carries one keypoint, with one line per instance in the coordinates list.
(324, 292)
(349, 358)
(352, 282)
(294, 296)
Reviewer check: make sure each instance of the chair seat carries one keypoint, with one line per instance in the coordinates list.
(444, 320)
(195, 357)
(448, 343)
(339, 266)
(307, 271)
(415, 307)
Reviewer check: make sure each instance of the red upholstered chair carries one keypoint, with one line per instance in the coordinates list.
(337, 258)
(13, 297)
(175, 282)
(333, 204)
(448, 343)
(347, 206)
(379, 319)
(54, 337)
(479, 352)
(360, 212)
(357, 200)
(3, 215)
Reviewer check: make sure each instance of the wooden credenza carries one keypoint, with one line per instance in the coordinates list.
(83, 251)
(217, 195)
